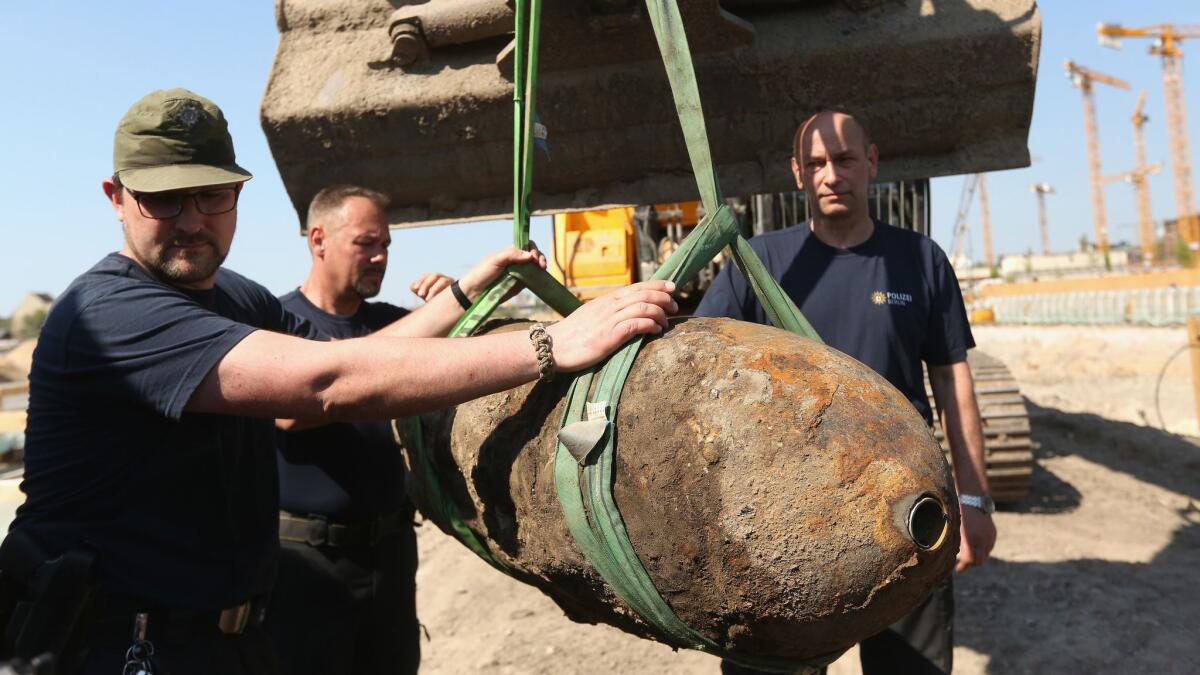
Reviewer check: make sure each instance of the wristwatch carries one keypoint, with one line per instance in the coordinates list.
(982, 502)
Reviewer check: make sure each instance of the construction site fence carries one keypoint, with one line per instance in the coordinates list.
(1144, 307)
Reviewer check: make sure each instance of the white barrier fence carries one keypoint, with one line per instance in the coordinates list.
(1143, 306)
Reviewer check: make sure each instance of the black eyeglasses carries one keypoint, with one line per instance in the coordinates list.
(164, 205)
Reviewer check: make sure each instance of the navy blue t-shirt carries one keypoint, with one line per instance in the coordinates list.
(890, 302)
(181, 508)
(346, 472)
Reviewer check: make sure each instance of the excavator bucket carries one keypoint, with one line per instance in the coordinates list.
(415, 100)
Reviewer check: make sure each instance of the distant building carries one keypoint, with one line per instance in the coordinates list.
(32, 309)
(1180, 235)
(1062, 264)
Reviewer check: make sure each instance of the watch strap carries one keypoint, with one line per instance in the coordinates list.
(460, 295)
(982, 502)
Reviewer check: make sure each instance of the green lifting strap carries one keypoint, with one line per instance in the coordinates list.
(588, 505)
(546, 287)
(436, 498)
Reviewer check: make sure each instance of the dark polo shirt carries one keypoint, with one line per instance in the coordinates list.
(181, 508)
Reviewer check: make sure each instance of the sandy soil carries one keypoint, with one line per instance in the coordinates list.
(1095, 572)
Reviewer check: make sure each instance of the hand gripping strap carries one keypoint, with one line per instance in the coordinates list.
(677, 58)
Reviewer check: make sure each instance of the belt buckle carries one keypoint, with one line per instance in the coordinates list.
(233, 621)
(318, 532)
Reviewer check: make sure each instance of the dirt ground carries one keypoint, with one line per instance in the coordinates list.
(1095, 572)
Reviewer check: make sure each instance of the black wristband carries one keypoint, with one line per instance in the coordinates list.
(460, 295)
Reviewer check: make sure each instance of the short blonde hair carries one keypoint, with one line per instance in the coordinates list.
(332, 198)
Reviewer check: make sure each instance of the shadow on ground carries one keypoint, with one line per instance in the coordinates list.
(1085, 616)
(1148, 454)
(1092, 615)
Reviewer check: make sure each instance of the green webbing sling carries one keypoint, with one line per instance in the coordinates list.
(588, 506)
(533, 277)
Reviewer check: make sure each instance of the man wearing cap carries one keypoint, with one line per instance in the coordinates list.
(348, 558)
(150, 462)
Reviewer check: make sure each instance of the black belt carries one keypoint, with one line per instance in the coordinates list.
(118, 619)
(318, 531)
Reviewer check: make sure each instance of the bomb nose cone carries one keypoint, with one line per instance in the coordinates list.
(928, 523)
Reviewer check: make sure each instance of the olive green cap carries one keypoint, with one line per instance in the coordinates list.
(173, 139)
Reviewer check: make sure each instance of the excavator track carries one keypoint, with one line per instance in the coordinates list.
(1008, 447)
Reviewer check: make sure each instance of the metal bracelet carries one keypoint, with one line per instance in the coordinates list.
(543, 347)
(460, 295)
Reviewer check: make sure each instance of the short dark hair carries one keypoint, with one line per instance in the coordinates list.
(798, 138)
(116, 179)
(331, 198)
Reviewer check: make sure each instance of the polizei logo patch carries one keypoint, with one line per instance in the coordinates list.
(890, 298)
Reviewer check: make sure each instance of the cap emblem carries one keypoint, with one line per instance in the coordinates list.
(189, 114)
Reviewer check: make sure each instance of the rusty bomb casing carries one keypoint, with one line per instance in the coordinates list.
(785, 499)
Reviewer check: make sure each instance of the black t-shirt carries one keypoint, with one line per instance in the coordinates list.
(181, 508)
(890, 302)
(346, 472)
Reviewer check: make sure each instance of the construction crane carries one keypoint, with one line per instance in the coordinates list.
(1083, 78)
(1167, 44)
(960, 221)
(973, 182)
(1041, 190)
(985, 223)
(1137, 178)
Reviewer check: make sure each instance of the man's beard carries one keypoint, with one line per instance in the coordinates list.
(366, 291)
(184, 267)
(369, 288)
(183, 271)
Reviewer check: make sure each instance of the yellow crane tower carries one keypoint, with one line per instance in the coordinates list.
(1137, 178)
(1041, 190)
(1167, 44)
(1083, 78)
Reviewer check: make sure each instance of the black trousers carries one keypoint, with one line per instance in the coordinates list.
(920, 643)
(347, 611)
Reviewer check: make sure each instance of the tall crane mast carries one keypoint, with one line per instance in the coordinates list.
(1137, 178)
(1168, 39)
(973, 182)
(1083, 78)
(960, 222)
(1041, 190)
(985, 223)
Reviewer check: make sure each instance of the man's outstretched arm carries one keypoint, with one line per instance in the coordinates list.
(954, 393)
(380, 377)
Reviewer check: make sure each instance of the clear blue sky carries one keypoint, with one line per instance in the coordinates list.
(70, 73)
